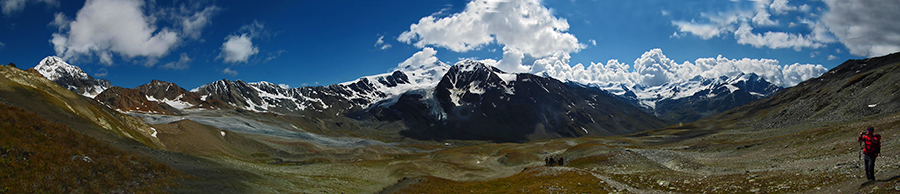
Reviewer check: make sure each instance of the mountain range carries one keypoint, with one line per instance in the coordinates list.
(414, 131)
(437, 100)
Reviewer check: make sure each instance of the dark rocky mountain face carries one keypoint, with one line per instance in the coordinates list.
(126, 99)
(854, 90)
(265, 96)
(475, 101)
(169, 91)
(334, 100)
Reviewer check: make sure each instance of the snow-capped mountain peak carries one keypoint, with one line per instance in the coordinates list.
(668, 99)
(53, 67)
(71, 77)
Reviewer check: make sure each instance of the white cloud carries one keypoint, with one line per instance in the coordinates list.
(653, 68)
(741, 23)
(182, 63)
(866, 27)
(11, 7)
(192, 24)
(239, 48)
(704, 31)
(805, 8)
(774, 40)
(60, 21)
(865, 31)
(781, 7)
(274, 55)
(593, 42)
(228, 71)
(106, 27)
(832, 57)
(522, 25)
(762, 19)
(101, 73)
(424, 57)
(380, 43)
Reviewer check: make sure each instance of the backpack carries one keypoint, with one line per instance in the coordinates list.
(876, 143)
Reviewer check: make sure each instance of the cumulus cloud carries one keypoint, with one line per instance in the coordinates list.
(106, 27)
(781, 7)
(228, 71)
(424, 57)
(653, 68)
(11, 7)
(854, 23)
(866, 27)
(521, 25)
(182, 63)
(741, 24)
(832, 57)
(774, 40)
(239, 48)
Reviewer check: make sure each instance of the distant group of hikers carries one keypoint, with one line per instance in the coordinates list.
(553, 161)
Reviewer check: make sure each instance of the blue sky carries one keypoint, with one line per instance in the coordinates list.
(297, 43)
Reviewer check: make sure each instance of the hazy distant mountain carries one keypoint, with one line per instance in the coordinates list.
(696, 98)
(71, 77)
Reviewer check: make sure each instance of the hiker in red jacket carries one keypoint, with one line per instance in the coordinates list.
(871, 150)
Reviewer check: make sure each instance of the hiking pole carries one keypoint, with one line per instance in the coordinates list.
(861, 162)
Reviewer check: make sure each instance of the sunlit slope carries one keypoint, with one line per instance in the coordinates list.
(36, 94)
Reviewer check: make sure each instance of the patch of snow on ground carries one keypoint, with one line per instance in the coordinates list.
(178, 104)
(732, 88)
(507, 77)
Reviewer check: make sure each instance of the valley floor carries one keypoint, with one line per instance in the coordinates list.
(796, 159)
